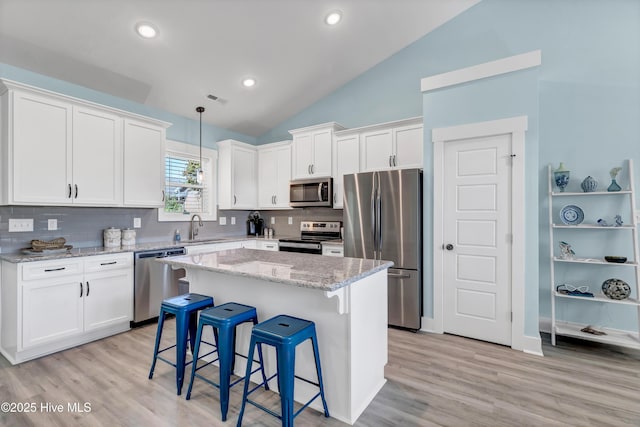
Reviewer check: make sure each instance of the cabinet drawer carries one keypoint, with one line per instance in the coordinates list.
(108, 262)
(54, 268)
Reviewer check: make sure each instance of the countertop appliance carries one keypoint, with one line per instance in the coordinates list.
(153, 282)
(383, 220)
(312, 234)
(311, 193)
(255, 224)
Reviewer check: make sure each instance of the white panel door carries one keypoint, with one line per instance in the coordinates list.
(41, 150)
(477, 264)
(97, 158)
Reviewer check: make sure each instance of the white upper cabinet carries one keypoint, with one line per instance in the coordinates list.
(62, 151)
(144, 146)
(395, 145)
(97, 158)
(36, 149)
(346, 160)
(274, 174)
(312, 150)
(237, 177)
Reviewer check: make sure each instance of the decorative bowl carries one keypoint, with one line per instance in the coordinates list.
(616, 289)
(618, 259)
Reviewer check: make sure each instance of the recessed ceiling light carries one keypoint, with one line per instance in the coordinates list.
(249, 82)
(146, 30)
(333, 17)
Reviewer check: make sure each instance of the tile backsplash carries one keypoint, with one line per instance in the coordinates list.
(84, 226)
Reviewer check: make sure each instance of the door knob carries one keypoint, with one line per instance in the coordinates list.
(449, 247)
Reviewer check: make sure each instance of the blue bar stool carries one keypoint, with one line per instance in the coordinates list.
(284, 333)
(224, 319)
(185, 308)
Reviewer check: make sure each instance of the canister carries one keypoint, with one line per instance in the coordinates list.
(128, 237)
(112, 237)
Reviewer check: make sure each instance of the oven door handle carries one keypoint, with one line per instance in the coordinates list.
(300, 245)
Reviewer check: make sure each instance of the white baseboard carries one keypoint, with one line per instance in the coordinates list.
(430, 324)
(532, 345)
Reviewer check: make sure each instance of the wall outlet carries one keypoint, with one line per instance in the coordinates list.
(290, 220)
(273, 220)
(20, 225)
(137, 222)
(52, 224)
(233, 220)
(223, 220)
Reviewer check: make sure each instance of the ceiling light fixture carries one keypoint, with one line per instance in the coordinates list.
(146, 30)
(333, 17)
(249, 82)
(200, 175)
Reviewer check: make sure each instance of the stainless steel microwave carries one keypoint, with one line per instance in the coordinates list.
(311, 192)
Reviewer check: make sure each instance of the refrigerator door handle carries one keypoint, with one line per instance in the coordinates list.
(374, 228)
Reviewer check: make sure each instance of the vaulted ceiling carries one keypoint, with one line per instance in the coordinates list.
(208, 46)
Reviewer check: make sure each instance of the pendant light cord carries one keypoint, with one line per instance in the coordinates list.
(200, 110)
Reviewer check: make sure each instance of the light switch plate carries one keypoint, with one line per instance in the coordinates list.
(290, 220)
(20, 225)
(137, 222)
(223, 220)
(233, 220)
(273, 220)
(52, 224)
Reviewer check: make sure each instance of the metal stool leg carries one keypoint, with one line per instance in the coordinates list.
(286, 370)
(182, 326)
(227, 354)
(252, 344)
(316, 356)
(157, 345)
(194, 365)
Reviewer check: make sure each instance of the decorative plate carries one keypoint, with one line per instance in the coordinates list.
(616, 289)
(571, 215)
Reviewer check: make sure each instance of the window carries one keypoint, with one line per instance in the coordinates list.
(184, 197)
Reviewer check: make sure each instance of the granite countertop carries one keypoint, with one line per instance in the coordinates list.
(291, 268)
(100, 250)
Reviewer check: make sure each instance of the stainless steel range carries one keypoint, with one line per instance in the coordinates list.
(312, 234)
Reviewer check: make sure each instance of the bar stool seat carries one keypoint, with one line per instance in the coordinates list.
(185, 308)
(285, 333)
(224, 319)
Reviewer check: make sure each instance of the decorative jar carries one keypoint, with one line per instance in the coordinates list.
(589, 184)
(112, 237)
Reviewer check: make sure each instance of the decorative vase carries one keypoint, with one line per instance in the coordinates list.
(589, 185)
(561, 177)
(614, 186)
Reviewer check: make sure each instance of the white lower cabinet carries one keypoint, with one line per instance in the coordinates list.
(48, 306)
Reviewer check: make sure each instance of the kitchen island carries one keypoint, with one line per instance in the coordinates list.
(345, 297)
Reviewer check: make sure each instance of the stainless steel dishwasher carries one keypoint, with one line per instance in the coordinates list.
(153, 282)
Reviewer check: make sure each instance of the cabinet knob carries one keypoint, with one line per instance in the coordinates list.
(449, 247)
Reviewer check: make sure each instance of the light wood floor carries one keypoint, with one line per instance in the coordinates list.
(432, 380)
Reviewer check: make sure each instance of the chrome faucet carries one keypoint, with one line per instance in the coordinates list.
(194, 227)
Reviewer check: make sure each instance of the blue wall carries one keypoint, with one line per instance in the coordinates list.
(183, 129)
(583, 104)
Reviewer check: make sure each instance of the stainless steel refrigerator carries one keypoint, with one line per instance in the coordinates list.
(383, 220)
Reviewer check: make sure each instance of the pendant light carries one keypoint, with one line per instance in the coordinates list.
(200, 175)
